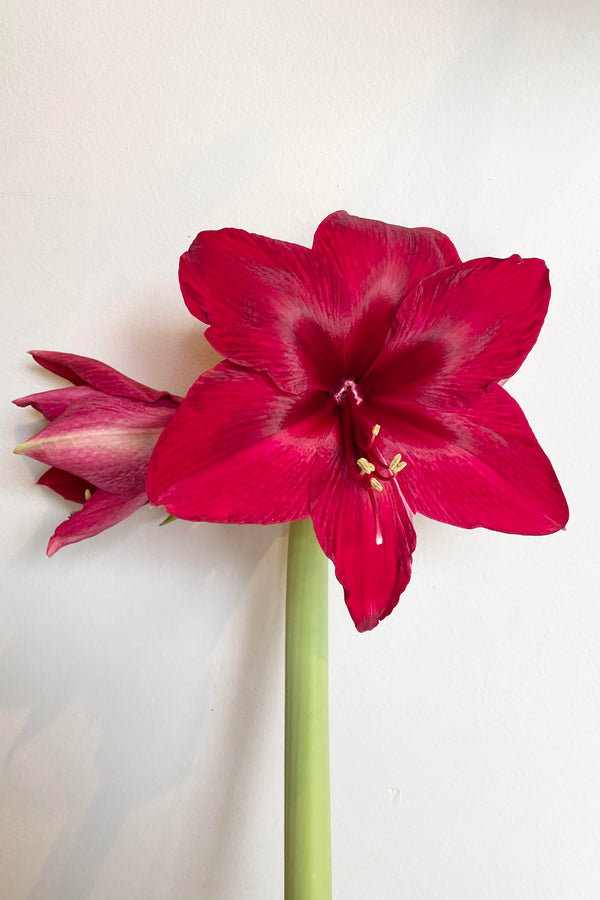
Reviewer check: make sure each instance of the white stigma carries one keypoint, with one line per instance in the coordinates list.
(348, 385)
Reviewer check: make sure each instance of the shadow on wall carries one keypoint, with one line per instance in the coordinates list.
(142, 668)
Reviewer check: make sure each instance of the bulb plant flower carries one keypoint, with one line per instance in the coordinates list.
(362, 383)
(102, 431)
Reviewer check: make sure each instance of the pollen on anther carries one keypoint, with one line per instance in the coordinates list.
(376, 485)
(376, 430)
(87, 494)
(397, 464)
(365, 466)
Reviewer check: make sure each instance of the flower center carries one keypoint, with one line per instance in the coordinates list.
(362, 445)
(348, 388)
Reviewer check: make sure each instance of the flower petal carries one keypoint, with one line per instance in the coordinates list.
(380, 263)
(270, 305)
(239, 450)
(107, 442)
(54, 403)
(477, 466)
(462, 329)
(68, 486)
(81, 370)
(100, 512)
(373, 575)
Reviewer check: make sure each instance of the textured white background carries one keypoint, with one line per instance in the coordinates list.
(141, 672)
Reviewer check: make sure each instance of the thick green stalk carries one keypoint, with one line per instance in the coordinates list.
(307, 816)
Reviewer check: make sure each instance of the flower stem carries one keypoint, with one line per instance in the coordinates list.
(307, 816)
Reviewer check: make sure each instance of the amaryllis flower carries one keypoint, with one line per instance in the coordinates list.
(102, 432)
(361, 385)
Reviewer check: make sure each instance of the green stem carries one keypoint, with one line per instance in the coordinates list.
(307, 816)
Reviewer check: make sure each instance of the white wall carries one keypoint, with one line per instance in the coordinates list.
(141, 672)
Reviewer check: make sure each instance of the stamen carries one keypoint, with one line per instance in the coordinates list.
(376, 485)
(365, 466)
(87, 494)
(396, 464)
(378, 534)
(375, 431)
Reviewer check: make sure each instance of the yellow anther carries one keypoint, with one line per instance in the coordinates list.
(365, 466)
(376, 430)
(396, 464)
(87, 494)
(376, 485)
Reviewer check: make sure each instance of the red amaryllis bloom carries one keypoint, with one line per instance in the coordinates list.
(102, 432)
(361, 386)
